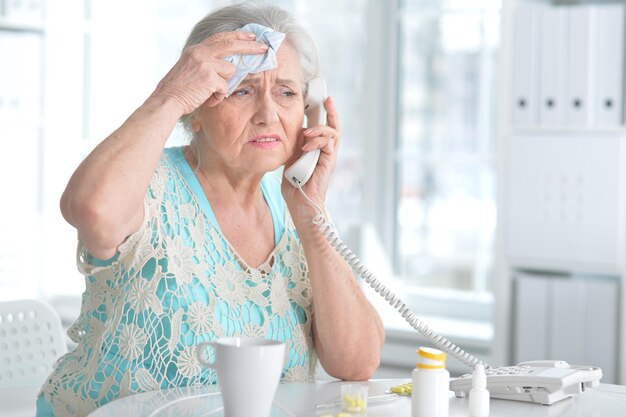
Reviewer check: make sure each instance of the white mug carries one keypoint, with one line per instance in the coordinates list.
(248, 371)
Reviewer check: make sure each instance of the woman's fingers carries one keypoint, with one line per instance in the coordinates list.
(230, 47)
(324, 137)
(236, 34)
(322, 130)
(225, 44)
(320, 135)
(219, 93)
(332, 117)
(325, 143)
(224, 69)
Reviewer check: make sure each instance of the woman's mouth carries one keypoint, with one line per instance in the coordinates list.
(265, 142)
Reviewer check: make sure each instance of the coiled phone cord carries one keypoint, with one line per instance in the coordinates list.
(400, 306)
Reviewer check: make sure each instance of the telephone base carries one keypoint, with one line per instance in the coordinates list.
(537, 382)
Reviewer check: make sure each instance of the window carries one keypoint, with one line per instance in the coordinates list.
(21, 40)
(444, 161)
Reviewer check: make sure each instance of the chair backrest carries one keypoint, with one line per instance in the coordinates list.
(31, 339)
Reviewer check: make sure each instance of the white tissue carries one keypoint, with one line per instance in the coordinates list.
(251, 64)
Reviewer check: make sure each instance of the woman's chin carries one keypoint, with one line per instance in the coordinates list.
(269, 165)
(268, 161)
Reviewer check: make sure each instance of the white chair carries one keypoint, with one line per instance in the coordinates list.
(31, 340)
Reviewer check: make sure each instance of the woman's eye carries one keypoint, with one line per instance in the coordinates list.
(243, 92)
(287, 93)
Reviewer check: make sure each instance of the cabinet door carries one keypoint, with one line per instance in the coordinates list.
(531, 312)
(570, 319)
(565, 196)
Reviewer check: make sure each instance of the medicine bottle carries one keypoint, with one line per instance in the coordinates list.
(430, 395)
(478, 395)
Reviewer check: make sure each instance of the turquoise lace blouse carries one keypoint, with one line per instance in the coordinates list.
(176, 282)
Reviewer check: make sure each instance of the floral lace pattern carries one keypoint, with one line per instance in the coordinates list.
(174, 283)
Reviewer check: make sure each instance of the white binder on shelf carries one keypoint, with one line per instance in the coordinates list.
(553, 74)
(525, 64)
(580, 65)
(609, 63)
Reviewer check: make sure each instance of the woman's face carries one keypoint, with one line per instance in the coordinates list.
(255, 129)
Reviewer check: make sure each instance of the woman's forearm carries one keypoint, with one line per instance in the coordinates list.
(349, 334)
(104, 197)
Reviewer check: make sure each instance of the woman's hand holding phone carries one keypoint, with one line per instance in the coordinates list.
(324, 138)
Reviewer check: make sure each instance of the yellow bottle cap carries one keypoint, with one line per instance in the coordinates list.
(430, 358)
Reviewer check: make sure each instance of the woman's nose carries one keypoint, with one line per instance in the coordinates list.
(266, 111)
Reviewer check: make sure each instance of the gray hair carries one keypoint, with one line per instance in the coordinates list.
(235, 16)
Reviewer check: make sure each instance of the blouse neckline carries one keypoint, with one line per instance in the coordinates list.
(189, 176)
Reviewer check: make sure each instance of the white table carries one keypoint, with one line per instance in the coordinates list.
(299, 399)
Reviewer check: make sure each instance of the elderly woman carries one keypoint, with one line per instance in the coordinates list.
(183, 245)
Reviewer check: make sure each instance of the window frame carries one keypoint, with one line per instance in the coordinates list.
(381, 178)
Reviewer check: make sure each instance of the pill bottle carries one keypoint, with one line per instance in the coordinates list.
(430, 395)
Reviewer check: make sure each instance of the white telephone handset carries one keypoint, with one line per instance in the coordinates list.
(302, 169)
(519, 383)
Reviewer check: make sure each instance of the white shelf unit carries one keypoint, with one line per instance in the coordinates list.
(562, 197)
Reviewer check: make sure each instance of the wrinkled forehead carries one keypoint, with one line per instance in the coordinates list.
(288, 67)
(289, 62)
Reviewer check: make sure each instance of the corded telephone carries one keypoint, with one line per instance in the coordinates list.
(543, 382)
